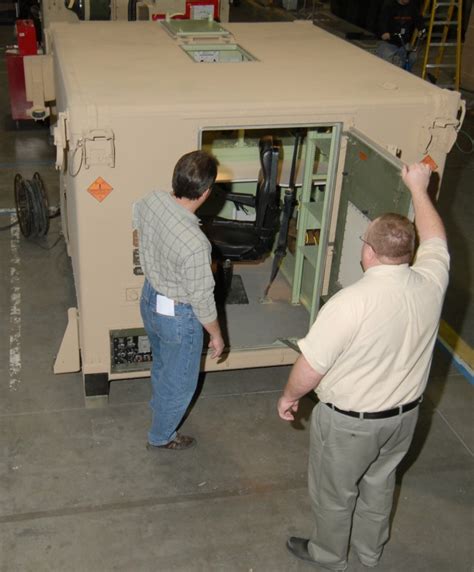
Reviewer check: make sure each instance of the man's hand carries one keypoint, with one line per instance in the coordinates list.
(287, 408)
(216, 342)
(217, 345)
(386, 36)
(303, 378)
(416, 177)
(427, 221)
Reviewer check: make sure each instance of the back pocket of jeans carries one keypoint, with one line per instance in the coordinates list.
(168, 328)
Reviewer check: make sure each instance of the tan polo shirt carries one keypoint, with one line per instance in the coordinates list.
(374, 339)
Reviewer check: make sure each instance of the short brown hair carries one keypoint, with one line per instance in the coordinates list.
(193, 174)
(392, 236)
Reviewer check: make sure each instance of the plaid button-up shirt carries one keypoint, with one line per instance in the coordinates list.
(175, 255)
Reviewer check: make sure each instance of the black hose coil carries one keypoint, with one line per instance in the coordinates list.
(32, 206)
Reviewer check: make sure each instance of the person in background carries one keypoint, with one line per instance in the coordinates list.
(177, 300)
(368, 356)
(398, 21)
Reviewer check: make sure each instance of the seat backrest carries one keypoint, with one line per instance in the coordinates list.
(267, 199)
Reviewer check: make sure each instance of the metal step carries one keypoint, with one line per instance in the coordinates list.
(440, 66)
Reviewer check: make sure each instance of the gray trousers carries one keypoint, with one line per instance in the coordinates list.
(352, 465)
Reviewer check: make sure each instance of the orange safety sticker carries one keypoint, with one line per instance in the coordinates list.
(428, 160)
(100, 189)
(363, 156)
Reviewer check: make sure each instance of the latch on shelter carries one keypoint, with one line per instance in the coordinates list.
(99, 148)
(444, 130)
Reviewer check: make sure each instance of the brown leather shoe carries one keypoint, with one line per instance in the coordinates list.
(179, 443)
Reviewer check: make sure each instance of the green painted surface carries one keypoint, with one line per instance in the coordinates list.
(373, 184)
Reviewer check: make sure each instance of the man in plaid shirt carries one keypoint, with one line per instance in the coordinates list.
(178, 294)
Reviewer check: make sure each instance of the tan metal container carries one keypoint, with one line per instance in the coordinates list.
(133, 97)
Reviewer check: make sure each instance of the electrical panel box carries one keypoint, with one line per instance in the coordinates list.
(129, 110)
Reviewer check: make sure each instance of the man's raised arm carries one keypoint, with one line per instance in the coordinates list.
(428, 223)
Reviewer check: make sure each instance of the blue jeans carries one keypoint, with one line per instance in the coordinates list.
(396, 55)
(176, 344)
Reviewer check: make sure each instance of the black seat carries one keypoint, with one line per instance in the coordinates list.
(250, 240)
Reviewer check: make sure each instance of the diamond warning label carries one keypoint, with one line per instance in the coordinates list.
(100, 189)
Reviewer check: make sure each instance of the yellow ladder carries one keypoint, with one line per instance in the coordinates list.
(444, 17)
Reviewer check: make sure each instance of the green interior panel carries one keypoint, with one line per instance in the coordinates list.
(372, 183)
(308, 279)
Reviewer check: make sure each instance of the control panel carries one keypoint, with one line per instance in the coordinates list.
(129, 350)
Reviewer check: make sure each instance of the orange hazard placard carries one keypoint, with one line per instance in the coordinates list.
(100, 189)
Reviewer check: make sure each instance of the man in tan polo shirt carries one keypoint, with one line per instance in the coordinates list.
(368, 356)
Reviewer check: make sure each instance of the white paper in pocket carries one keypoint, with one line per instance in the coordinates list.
(164, 305)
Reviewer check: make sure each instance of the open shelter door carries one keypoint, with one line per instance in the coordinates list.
(371, 186)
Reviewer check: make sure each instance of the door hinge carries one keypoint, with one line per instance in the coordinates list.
(61, 136)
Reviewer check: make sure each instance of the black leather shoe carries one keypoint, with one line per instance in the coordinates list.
(299, 548)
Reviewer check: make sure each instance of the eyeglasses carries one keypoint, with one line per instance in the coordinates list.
(368, 243)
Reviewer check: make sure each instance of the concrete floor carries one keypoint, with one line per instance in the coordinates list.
(79, 492)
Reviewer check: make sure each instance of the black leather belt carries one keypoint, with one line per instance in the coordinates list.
(379, 414)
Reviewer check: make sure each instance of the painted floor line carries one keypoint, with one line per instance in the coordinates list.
(15, 308)
(128, 404)
(461, 352)
(453, 430)
(146, 503)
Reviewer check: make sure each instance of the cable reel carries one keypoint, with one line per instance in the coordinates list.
(32, 206)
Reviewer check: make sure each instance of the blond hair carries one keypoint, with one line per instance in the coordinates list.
(392, 236)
